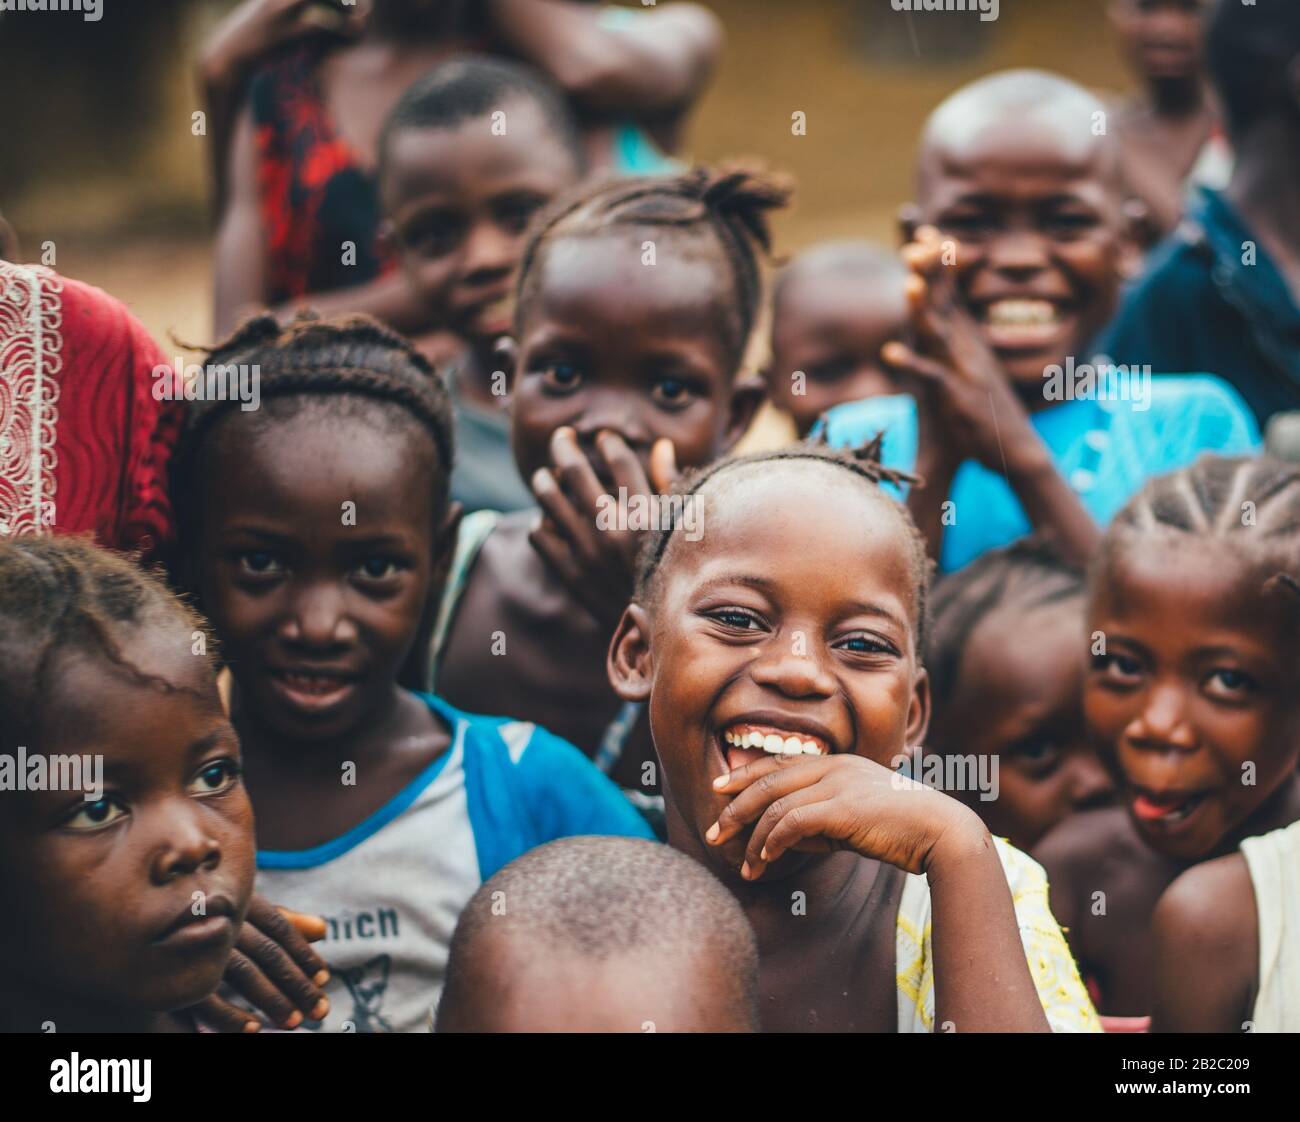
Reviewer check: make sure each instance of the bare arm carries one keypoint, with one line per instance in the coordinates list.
(656, 66)
(1206, 930)
(240, 244)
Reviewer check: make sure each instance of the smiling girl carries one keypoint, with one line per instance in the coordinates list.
(1193, 617)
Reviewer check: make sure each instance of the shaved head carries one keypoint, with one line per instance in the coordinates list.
(1053, 113)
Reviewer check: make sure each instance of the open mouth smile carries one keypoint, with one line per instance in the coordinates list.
(747, 742)
(312, 691)
(1165, 809)
(1017, 324)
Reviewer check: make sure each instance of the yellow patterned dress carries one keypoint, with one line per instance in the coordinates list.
(1065, 1001)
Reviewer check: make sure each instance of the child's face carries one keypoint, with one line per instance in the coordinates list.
(317, 548)
(1020, 699)
(100, 898)
(610, 343)
(831, 328)
(459, 202)
(1041, 244)
(1161, 37)
(792, 615)
(1195, 693)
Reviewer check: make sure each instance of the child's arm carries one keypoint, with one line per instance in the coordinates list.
(1206, 932)
(974, 413)
(274, 969)
(982, 980)
(656, 65)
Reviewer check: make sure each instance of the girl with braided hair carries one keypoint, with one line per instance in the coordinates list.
(779, 655)
(635, 304)
(1193, 620)
(314, 530)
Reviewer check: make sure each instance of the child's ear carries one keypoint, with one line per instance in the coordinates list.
(746, 396)
(444, 542)
(505, 353)
(628, 665)
(918, 711)
(909, 218)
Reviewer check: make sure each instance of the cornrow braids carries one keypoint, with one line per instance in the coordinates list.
(1029, 573)
(1253, 502)
(728, 204)
(59, 593)
(341, 357)
(863, 462)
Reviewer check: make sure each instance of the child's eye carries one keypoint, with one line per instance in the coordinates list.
(514, 214)
(1228, 683)
(378, 568)
(831, 371)
(1038, 755)
(673, 391)
(258, 562)
(1117, 668)
(563, 377)
(433, 235)
(968, 226)
(866, 644)
(218, 776)
(735, 618)
(1071, 223)
(96, 815)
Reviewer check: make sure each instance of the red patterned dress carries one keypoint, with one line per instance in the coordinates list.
(84, 447)
(319, 206)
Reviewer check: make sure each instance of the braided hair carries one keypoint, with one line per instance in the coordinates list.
(1252, 502)
(65, 593)
(344, 360)
(1029, 573)
(864, 463)
(726, 206)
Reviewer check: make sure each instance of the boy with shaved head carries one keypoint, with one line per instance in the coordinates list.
(1018, 249)
(601, 934)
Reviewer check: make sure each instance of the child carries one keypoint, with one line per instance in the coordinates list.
(1015, 273)
(1168, 131)
(636, 300)
(779, 657)
(1192, 615)
(123, 883)
(833, 308)
(1223, 294)
(458, 193)
(1226, 936)
(1006, 673)
(601, 935)
(314, 530)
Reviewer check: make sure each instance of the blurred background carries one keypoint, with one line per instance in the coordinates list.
(98, 157)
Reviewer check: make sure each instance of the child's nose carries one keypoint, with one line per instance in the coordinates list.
(793, 673)
(1162, 722)
(1090, 783)
(319, 618)
(184, 845)
(1019, 252)
(489, 254)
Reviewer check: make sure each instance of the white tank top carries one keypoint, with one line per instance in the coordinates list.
(1274, 863)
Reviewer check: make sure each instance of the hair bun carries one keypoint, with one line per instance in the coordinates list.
(746, 194)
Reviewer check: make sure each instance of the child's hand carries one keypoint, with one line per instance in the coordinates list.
(971, 402)
(582, 536)
(274, 969)
(258, 27)
(814, 804)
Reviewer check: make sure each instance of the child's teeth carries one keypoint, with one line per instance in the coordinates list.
(793, 746)
(811, 749)
(1015, 313)
(756, 740)
(773, 743)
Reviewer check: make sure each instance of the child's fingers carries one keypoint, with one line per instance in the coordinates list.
(769, 780)
(623, 463)
(568, 523)
(900, 357)
(556, 551)
(794, 808)
(245, 977)
(573, 471)
(804, 825)
(311, 928)
(224, 1017)
(663, 465)
(278, 929)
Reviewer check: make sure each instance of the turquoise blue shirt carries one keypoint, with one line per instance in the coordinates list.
(1105, 451)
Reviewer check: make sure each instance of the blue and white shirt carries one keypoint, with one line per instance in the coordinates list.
(392, 887)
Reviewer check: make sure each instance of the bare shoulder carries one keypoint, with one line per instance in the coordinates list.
(1208, 907)
(1083, 839)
